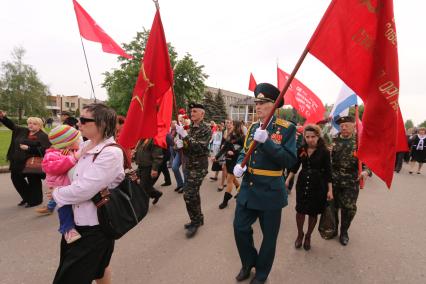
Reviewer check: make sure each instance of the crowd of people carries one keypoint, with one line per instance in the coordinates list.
(257, 164)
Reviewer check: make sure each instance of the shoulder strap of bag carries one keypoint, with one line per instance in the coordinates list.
(126, 163)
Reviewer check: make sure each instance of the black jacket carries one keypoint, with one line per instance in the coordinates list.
(15, 155)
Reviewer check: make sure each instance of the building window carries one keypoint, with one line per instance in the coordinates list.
(73, 105)
(67, 104)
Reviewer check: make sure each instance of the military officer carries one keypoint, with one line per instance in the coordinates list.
(344, 164)
(149, 157)
(195, 149)
(262, 193)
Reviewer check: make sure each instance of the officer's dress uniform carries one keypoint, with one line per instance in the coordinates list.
(263, 194)
(195, 149)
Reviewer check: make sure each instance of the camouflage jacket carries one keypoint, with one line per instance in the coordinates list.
(195, 146)
(344, 161)
(148, 154)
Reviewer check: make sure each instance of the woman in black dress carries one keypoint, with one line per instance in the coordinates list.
(418, 149)
(313, 186)
(231, 149)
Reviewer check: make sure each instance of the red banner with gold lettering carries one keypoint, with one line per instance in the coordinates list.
(356, 39)
(307, 104)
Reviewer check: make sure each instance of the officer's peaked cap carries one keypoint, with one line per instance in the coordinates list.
(265, 92)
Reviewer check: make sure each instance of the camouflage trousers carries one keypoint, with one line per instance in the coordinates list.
(191, 194)
(345, 198)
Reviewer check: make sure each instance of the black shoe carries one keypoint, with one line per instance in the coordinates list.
(166, 184)
(244, 274)
(219, 189)
(344, 238)
(31, 205)
(213, 178)
(187, 225)
(157, 197)
(22, 203)
(191, 231)
(298, 241)
(257, 281)
(307, 243)
(226, 198)
(236, 195)
(178, 188)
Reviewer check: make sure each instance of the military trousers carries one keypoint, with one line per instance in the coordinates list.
(270, 221)
(191, 194)
(146, 181)
(345, 198)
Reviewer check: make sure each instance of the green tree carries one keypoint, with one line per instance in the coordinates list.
(409, 124)
(423, 124)
(119, 83)
(208, 102)
(220, 113)
(21, 91)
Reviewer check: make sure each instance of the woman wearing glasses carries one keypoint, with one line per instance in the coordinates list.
(26, 142)
(88, 258)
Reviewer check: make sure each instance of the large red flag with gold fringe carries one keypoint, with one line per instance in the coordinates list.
(155, 80)
(357, 41)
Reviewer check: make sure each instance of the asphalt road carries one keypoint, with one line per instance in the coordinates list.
(387, 241)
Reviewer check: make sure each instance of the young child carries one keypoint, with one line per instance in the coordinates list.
(57, 162)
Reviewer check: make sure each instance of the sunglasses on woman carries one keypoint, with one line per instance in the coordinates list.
(84, 120)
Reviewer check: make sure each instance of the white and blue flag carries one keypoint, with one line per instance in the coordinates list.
(345, 99)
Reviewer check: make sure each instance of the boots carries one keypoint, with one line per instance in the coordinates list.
(226, 198)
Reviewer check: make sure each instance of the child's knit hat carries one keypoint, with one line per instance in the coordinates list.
(63, 136)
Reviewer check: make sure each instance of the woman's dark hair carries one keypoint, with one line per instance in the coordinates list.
(237, 128)
(105, 118)
(317, 130)
(121, 119)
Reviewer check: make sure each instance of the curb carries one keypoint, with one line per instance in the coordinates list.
(4, 169)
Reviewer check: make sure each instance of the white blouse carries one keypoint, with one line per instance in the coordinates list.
(88, 179)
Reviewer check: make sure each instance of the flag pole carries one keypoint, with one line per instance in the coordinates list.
(277, 102)
(88, 69)
(290, 79)
(361, 180)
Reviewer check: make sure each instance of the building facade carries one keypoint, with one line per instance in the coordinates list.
(73, 104)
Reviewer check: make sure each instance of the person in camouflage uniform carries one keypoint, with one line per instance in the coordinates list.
(195, 148)
(149, 158)
(345, 175)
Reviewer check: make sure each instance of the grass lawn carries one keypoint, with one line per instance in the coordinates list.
(4, 145)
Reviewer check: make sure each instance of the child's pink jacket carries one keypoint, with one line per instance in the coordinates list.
(56, 166)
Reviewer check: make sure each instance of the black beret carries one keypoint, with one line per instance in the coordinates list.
(344, 119)
(265, 92)
(196, 105)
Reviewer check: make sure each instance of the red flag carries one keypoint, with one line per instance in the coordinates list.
(154, 80)
(164, 118)
(252, 83)
(91, 31)
(357, 41)
(301, 98)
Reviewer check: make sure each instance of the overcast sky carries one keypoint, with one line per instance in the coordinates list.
(231, 38)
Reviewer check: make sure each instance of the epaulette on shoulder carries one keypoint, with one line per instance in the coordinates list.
(282, 122)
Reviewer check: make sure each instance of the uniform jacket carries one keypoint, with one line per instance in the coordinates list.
(149, 155)
(196, 146)
(262, 192)
(15, 154)
(344, 162)
(56, 166)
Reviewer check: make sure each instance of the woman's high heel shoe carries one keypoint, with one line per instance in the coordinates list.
(307, 243)
(298, 242)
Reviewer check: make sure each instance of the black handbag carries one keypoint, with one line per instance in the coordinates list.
(121, 208)
(327, 225)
